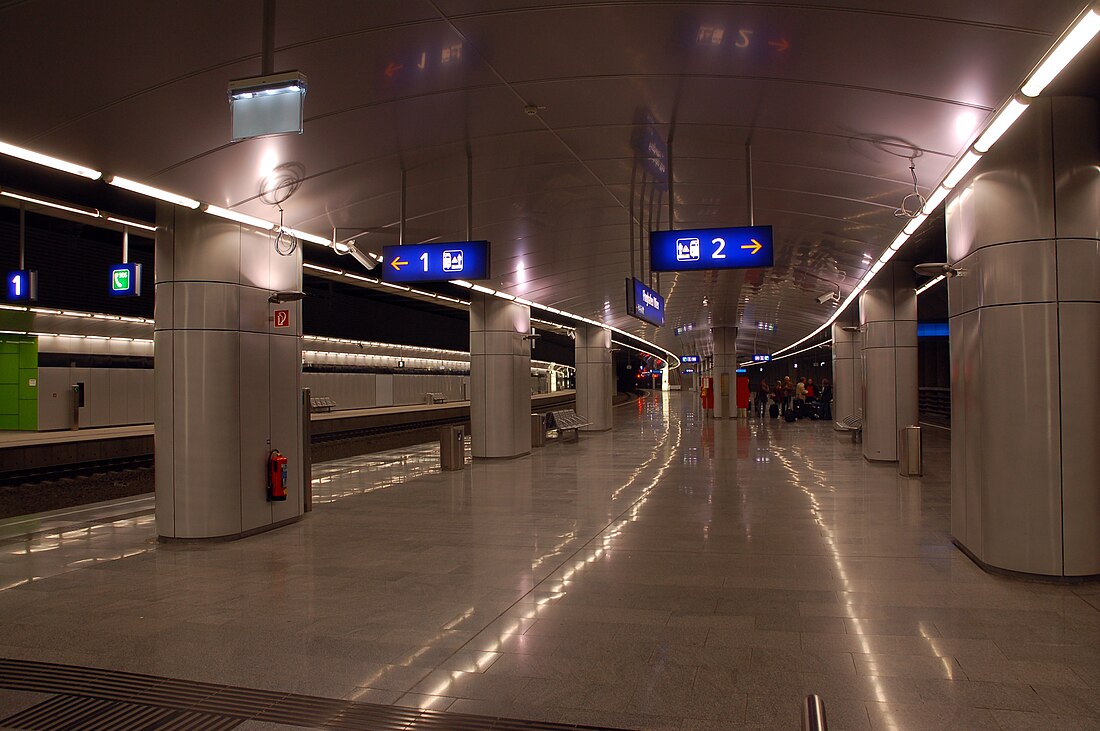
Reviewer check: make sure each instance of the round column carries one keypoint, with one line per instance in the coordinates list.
(1024, 232)
(500, 377)
(227, 377)
(595, 384)
(888, 321)
(847, 370)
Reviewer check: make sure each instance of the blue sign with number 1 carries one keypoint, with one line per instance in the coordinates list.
(22, 286)
(435, 262)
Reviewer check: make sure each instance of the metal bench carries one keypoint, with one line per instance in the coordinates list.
(433, 398)
(567, 420)
(853, 424)
(321, 403)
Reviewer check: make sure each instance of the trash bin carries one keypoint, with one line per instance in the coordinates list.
(909, 452)
(538, 431)
(452, 447)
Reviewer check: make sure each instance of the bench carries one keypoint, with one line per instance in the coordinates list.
(433, 398)
(567, 420)
(852, 424)
(321, 403)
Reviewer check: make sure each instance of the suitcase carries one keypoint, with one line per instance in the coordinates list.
(773, 411)
(813, 410)
(789, 416)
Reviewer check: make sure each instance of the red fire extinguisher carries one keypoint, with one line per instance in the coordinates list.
(276, 475)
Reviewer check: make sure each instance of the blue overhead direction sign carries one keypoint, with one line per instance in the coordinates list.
(702, 249)
(436, 262)
(689, 359)
(644, 303)
(761, 358)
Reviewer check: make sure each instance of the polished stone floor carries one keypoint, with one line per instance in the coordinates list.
(673, 573)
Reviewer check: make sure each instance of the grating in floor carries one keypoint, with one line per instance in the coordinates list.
(93, 698)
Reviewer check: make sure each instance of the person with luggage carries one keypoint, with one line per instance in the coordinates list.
(826, 400)
(762, 393)
(788, 394)
(800, 398)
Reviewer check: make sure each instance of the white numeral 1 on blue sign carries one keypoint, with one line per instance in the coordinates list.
(17, 284)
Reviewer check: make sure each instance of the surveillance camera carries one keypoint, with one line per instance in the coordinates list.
(350, 247)
(937, 269)
(827, 297)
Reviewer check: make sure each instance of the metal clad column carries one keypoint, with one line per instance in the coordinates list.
(227, 381)
(847, 369)
(594, 376)
(500, 377)
(888, 320)
(725, 372)
(1025, 470)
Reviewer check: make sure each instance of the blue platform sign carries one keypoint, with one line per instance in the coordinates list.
(435, 262)
(761, 358)
(644, 303)
(691, 250)
(126, 280)
(687, 371)
(689, 359)
(22, 286)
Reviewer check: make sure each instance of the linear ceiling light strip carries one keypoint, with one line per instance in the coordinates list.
(1068, 46)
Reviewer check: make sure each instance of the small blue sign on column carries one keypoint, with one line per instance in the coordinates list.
(22, 286)
(126, 280)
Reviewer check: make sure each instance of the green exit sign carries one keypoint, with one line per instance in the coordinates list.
(126, 280)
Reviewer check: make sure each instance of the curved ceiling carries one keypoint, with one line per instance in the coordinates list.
(836, 97)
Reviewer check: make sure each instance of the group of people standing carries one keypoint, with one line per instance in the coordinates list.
(788, 395)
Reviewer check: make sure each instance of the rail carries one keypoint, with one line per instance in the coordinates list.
(813, 714)
(935, 405)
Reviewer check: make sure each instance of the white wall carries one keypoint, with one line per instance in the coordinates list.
(112, 397)
(366, 390)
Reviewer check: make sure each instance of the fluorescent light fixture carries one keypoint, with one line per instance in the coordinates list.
(394, 286)
(936, 199)
(899, 241)
(930, 284)
(93, 213)
(1065, 51)
(143, 189)
(462, 283)
(505, 296)
(316, 267)
(50, 162)
(887, 255)
(76, 314)
(961, 168)
(239, 217)
(1004, 119)
(341, 247)
(303, 236)
(914, 224)
(131, 224)
(483, 290)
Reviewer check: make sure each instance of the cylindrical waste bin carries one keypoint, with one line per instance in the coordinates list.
(909, 452)
(538, 431)
(452, 447)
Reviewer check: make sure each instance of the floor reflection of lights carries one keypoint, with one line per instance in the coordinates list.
(366, 473)
(554, 587)
(821, 482)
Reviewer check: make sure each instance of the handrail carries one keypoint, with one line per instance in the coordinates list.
(813, 714)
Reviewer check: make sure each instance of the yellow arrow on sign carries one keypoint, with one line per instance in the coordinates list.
(755, 246)
(398, 262)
